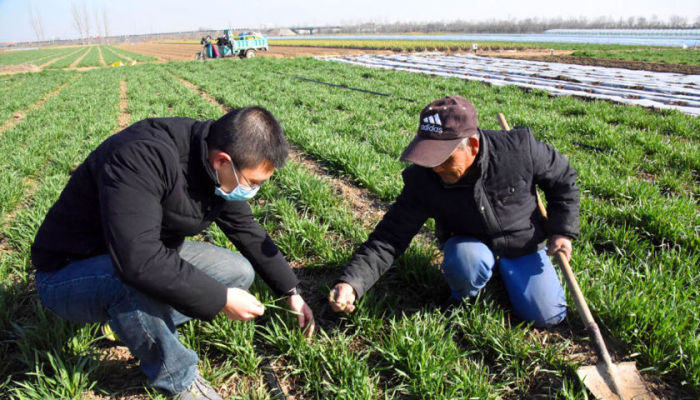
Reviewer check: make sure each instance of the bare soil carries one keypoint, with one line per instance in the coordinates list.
(124, 113)
(18, 69)
(603, 62)
(102, 60)
(180, 52)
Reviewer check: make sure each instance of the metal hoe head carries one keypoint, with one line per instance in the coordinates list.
(596, 379)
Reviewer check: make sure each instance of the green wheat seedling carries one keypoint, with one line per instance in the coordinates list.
(639, 244)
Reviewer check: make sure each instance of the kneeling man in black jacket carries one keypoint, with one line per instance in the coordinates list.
(112, 248)
(479, 186)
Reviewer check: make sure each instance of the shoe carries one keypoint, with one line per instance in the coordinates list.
(200, 389)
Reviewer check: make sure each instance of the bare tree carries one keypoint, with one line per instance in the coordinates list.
(77, 20)
(98, 28)
(36, 22)
(678, 22)
(86, 22)
(105, 23)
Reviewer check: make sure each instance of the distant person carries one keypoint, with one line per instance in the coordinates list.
(113, 249)
(479, 186)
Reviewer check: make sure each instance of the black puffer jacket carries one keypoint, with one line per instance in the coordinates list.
(495, 202)
(136, 197)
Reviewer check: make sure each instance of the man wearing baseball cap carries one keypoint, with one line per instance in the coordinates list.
(479, 186)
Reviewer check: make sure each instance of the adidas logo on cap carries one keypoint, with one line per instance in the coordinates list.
(432, 124)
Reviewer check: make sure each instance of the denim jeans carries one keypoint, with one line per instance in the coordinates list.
(531, 281)
(89, 290)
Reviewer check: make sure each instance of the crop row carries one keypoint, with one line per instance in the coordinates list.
(91, 59)
(21, 91)
(33, 56)
(109, 56)
(637, 169)
(307, 219)
(638, 182)
(39, 152)
(138, 57)
(69, 60)
(669, 56)
(315, 228)
(616, 52)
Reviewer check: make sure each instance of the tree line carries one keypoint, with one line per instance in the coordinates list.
(525, 25)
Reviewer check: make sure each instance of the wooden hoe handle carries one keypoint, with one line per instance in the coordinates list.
(575, 291)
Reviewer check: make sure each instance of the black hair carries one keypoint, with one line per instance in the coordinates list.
(250, 135)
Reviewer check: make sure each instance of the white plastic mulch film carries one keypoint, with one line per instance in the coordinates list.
(645, 88)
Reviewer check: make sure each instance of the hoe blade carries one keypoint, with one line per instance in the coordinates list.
(597, 381)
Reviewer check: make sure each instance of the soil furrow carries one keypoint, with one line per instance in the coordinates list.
(79, 59)
(124, 113)
(99, 54)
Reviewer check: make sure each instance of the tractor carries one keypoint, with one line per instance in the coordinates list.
(243, 45)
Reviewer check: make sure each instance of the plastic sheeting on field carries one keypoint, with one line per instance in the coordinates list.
(645, 88)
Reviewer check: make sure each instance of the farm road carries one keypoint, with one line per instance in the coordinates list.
(186, 51)
(649, 89)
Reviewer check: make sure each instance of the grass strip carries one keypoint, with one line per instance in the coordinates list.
(68, 61)
(32, 56)
(64, 363)
(28, 90)
(138, 57)
(641, 177)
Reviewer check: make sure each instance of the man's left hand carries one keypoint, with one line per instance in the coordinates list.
(305, 316)
(558, 243)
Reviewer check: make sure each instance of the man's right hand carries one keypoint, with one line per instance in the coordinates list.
(342, 298)
(241, 305)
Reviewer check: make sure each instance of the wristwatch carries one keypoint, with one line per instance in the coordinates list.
(293, 291)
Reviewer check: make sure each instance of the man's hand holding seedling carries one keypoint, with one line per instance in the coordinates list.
(241, 305)
(342, 298)
(304, 315)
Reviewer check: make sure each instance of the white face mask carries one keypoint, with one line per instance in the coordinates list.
(240, 193)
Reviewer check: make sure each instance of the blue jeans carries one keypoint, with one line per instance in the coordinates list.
(531, 281)
(89, 290)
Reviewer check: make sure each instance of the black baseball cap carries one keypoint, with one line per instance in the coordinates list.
(443, 124)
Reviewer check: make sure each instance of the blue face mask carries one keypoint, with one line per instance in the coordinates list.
(240, 193)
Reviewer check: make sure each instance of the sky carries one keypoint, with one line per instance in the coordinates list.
(143, 16)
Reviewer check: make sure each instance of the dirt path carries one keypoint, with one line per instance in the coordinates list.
(179, 52)
(124, 113)
(99, 54)
(79, 59)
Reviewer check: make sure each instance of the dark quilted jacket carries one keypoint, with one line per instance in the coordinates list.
(498, 206)
(137, 196)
